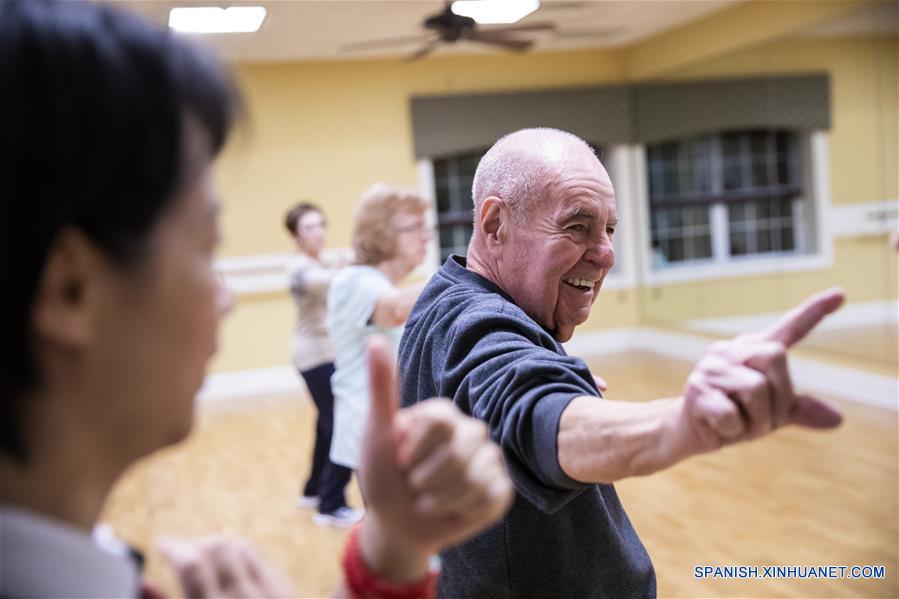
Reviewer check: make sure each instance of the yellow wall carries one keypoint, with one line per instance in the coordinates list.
(327, 130)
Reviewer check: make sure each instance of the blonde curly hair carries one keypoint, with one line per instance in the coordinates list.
(374, 233)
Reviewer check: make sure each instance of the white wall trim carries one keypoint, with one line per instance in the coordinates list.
(263, 273)
(817, 167)
(864, 218)
(252, 264)
(267, 273)
(737, 268)
(640, 200)
(819, 177)
(811, 375)
(620, 157)
(426, 188)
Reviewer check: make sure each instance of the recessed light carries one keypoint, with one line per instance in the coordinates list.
(488, 12)
(214, 19)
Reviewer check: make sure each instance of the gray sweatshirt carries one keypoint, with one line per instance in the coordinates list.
(467, 340)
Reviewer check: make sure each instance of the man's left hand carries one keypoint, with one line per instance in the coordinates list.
(741, 389)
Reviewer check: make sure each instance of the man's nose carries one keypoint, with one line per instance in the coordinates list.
(602, 255)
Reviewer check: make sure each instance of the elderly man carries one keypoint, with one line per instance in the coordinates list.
(487, 332)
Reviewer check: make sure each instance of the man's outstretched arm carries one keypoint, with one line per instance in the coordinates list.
(740, 390)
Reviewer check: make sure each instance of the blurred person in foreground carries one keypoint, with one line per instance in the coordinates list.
(110, 127)
(313, 357)
(488, 332)
(390, 238)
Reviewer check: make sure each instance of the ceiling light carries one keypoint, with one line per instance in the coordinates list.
(214, 19)
(488, 12)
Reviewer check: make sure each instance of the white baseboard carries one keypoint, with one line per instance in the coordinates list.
(866, 314)
(864, 218)
(244, 383)
(811, 375)
(846, 383)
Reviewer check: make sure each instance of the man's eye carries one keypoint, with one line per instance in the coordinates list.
(610, 230)
(577, 228)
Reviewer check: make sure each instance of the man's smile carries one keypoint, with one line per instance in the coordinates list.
(583, 285)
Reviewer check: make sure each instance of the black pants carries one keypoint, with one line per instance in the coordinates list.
(327, 480)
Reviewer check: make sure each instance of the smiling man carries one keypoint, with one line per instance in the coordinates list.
(487, 332)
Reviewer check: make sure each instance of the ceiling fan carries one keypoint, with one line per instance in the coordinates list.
(446, 27)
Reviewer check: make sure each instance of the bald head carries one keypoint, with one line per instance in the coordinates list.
(520, 166)
(544, 219)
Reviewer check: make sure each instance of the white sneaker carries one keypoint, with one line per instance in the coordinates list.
(342, 517)
(306, 502)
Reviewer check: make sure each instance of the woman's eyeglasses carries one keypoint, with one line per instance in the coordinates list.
(422, 230)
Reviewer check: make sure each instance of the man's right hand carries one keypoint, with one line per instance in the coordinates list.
(741, 389)
(430, 476)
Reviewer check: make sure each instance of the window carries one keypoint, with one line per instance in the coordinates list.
(724, 196)
(453, 178)
(452, 181)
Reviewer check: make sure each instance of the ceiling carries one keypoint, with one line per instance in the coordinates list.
(317, 29)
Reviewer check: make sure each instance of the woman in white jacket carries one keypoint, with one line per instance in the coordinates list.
(390, 238)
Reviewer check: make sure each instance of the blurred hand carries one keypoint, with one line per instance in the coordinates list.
(430, 475)
(741, 389)
(219, 566)
(343, 258)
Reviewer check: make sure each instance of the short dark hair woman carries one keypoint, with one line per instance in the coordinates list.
(313, 357)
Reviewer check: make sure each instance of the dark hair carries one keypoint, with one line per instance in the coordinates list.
(93, 115)
(296, 214)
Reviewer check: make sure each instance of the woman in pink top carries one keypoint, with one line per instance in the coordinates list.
(313, 357)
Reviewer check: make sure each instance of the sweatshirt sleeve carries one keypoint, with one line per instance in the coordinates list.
(505, 371)
(310, 278)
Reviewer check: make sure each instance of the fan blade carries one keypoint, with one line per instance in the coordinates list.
(385, 43)
(488, 37)
(423, 51)
(538, 26)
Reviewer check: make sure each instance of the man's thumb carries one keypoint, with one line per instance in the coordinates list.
(813, 413)
(381, 380)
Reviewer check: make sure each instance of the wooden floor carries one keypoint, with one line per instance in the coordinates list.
(795, 498)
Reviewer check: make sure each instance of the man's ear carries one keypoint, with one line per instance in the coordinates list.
(69, 293)
(492, 220)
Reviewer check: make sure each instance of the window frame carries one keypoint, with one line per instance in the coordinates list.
(811, 230)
